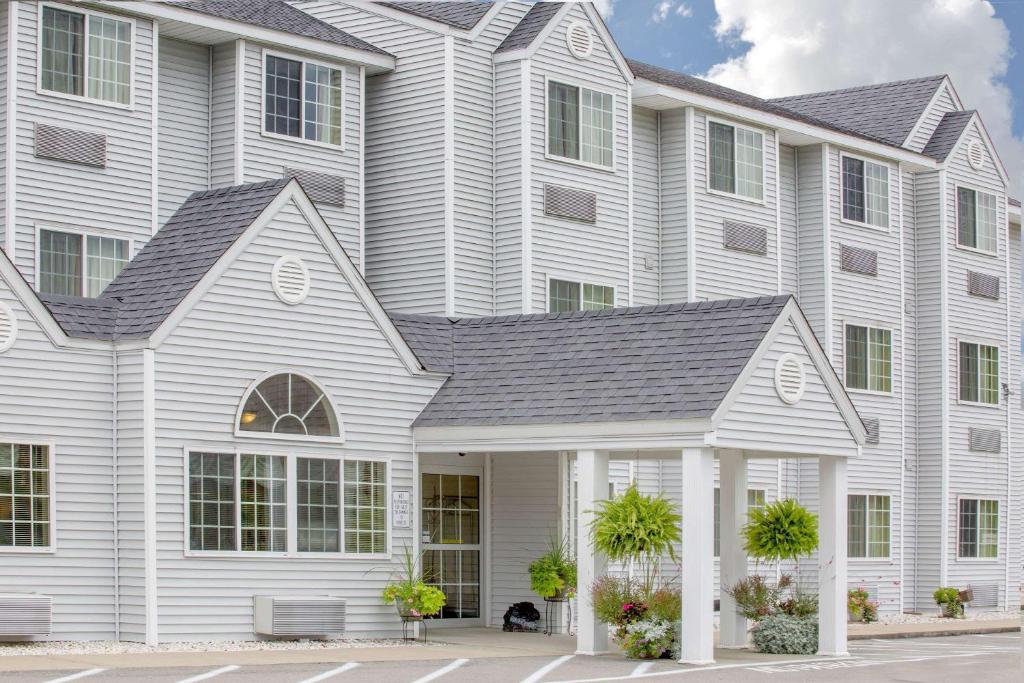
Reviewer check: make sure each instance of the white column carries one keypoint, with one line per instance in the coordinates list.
(698, 580)
(592, 482)
(732, 472)
(832, 557)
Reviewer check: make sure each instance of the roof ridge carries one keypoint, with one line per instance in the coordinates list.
(630, 62)
(858, 88)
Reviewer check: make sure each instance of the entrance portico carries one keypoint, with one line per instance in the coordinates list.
(733, 381)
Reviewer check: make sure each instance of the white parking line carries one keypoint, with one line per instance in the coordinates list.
(546, 669)
(692, 670)
(641, 668)
(332, 673)
(210, 674)
(76, 676)
(442, 671)
(992, 635)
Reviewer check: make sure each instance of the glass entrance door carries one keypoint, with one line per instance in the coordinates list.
(451, 540)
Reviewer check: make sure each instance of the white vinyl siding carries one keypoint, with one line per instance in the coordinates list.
(83, 48)
(865, 192)
(976, 219)
(64, 270)
(868, 358)
(581, 124)
(979, 373)
(869, 526)
(735, 160)
(25, 496)
(978, 529)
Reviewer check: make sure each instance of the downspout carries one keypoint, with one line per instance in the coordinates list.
(661, 270)
(116, 532)
(903, 389)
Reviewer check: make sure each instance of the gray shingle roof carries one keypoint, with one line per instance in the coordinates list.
(153, 284)
(947, 133)
(1013, 202)
(672, 361)
(530, 26)
(280, 16)
(462, 15)
(885, 111)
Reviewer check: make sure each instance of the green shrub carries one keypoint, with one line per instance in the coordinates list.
(783, 530)
(647, 638)
(781, 634)
(554, 572)
(610, 595)
(948, 599)
(800, 604)
(756, 597)
(666, 604)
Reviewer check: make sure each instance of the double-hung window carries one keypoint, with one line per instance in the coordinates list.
(755, 501)
(580, 124)
(735, 160)
(302, 100)
(865, 192)
(242, 502)
(978, 529)
(84, 54)
(976, 219)
(73, 264)
(868, 358)
(979, 373)
(869, 525)
(566, 295)
(25, 497)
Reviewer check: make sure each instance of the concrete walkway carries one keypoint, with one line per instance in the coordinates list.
(950, 627)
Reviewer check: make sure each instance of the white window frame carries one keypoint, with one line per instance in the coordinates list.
(999, 528)
(708, 120)
(51, 447)
(956, 219)
(887, 229)
(576, 279)
(291, 457)
(867, 540)
(717, 528)
(85, 235)
(579, 112)
(892, 356)
(264, 53)
(87, 12)
(999, 389)
(271, 436)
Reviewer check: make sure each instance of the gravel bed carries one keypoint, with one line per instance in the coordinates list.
(934, 618)
(113, 647)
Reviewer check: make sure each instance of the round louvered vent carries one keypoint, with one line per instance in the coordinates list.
(8, 327)
(789, 378)
(580, 40)
(976, 154)
(290, 279)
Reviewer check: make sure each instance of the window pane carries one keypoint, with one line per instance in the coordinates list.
(876, 195)
(749, 164)
(856, 524)
(853, 189)
(968, 371)
(988, 528)
(856, 357)
(109, 59)
(105, 258)
(60, 263)
(288, 404)
(596, 297)
(563, 120)
(264, 503)
(986, 234)
(878, 526)
(880, 360)
(596, 136)
(563, 296)
(283, 104)
(722, 157)
(24, 496)
(365, 506)
(211, 499)
(968, 528)
(988, 371)
(755, 499)
(966, 218)
(319, 505)
(62, 51)
(323, 104)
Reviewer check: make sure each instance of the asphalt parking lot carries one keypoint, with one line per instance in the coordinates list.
(990, 658)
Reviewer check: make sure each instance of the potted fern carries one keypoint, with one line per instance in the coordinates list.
(412, 597)
(553, 574)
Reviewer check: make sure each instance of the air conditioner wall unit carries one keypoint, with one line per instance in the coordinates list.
(299, 615)
(25, 614)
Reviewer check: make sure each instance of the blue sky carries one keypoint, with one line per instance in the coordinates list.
(685, 39)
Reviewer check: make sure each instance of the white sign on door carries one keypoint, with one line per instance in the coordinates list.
(401, 509)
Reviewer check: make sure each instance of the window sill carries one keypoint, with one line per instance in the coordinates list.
(242, 555)
(979, 404)
(14, 550)
(857, 224)
(86, 100)
(976, 560)
(870, 560)
(582, 164)
(869, 392)
(976, 250)
(304, 141)
(739, 197)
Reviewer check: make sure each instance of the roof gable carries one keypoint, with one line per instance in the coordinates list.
(947, 134)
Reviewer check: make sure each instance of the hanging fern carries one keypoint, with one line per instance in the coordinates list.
(783, 530)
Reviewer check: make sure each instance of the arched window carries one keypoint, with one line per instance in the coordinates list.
(288, 404)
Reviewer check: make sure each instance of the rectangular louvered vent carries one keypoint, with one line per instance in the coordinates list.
(277, 615)
(323, 188)
(25, 614)
(857, 260)
(566, 202)
(980, 284)
(985, 440)
(871, 424)
(752, 239)
(985, 595)
(75, 146)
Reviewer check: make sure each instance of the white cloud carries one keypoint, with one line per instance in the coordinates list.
(661, 11)
(684, 10)
(799, 46)
(605, 7)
